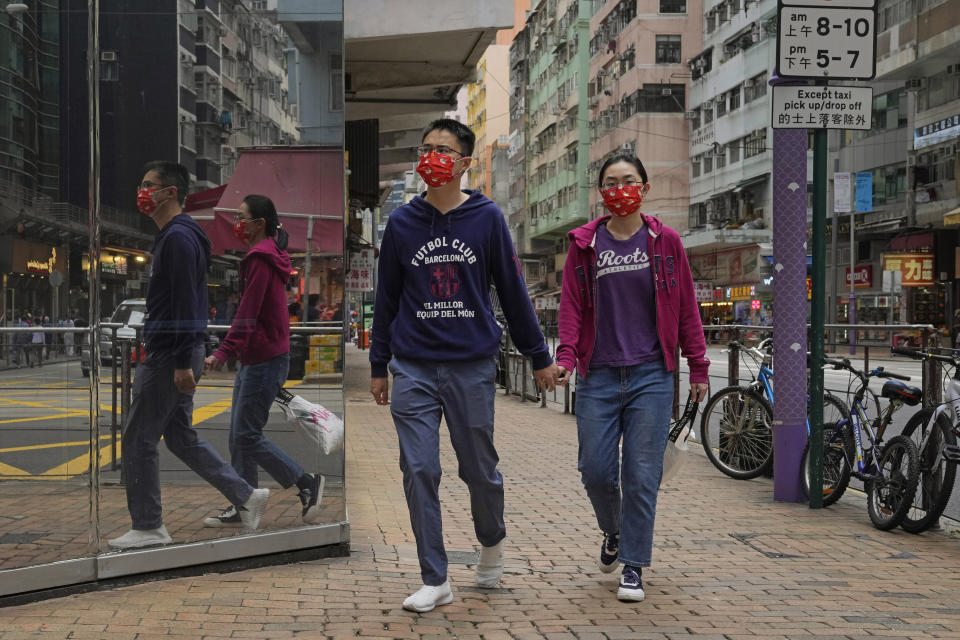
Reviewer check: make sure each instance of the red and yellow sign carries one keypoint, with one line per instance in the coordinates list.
(917, 268)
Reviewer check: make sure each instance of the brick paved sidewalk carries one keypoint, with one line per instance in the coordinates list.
(729, 562)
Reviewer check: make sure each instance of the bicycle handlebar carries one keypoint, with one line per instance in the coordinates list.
(886, 374)
(921, 355)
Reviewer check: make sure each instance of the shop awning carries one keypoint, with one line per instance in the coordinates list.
(750, 181)
(952, 217)
(303, 182)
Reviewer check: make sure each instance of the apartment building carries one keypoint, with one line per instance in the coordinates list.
(638, 89)
(908, 167)
(731, 160)
(549, 66)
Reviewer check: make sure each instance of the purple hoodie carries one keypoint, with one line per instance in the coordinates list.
(678, 317)
(261, 328)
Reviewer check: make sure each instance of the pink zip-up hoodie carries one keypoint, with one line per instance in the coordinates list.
(678, 317)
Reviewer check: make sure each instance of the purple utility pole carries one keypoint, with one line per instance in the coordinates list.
(790, 307)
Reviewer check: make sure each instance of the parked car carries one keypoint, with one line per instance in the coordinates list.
(129, 312)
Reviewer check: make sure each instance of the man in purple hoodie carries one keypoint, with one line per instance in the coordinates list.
(434, 328)
(174, 332)
(260, 337)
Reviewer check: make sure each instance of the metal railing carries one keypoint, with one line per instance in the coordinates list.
(515, 375)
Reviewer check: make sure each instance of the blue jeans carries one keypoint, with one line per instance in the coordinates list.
(160, 410)
(254, 390)
(463, 393)
(633, 404)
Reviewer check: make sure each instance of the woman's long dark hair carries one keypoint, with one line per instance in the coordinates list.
(619, 156)
(263, 207)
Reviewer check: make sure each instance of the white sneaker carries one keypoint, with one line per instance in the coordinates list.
(429, 598)
(490, 566)
(252, 510)
(138, 538)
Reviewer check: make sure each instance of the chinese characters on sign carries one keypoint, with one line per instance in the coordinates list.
(826, 42)
(864, 195)
(916, 268)
(936, 132)
(822, 107)
(360, 276)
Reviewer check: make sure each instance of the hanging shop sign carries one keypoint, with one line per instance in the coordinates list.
(916, 268)
(360, 275)
(862, 276)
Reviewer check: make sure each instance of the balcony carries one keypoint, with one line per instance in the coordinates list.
(701, 240)
(558, 222)
(208, 170)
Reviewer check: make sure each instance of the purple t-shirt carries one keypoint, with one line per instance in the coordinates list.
(626, 302)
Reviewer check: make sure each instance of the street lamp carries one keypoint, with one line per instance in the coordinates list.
(14, 8)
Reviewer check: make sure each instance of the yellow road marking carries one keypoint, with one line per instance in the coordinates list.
(6, 471)
(71, 414)
(211, 410)
(78, 465)
(53, 445)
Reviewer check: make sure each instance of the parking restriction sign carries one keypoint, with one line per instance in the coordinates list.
(823, 41)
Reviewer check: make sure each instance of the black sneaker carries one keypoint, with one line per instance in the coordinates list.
(310, 498)
(609, 552)
(228, 518)
(631, 585)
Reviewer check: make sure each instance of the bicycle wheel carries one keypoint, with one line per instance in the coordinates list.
(736, 432)
(890, 492)
(838, 452)
(937, 474)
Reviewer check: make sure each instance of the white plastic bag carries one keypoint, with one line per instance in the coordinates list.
(677, 444)
(317, 424)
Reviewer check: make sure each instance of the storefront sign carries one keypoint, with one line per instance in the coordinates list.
(862, 276)
(809, 289)
(755, 305)
(936, 132)
(360, 275)
(734, 266)
(916, 268)
(704, 291)
(21, 256)
(116, 265)
(544, 302)
(742, 292)
(43, 266)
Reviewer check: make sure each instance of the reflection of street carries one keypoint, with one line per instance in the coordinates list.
(45, 462)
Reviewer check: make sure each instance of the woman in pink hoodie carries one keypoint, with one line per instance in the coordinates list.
(627, 302)
(259, 337)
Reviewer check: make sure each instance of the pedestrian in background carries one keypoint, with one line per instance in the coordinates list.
(174, 333)
(260, 337)
(435, 330)
(37, 340)
(627, 301)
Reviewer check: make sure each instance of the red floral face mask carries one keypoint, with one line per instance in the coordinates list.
(436, 169)
(147, 199)
(240, 230)
(623, 200)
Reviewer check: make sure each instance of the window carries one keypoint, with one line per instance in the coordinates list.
(707, 163)
(668, 49)
(734, 98)
(755, 143)
(711, 22)
(707, 115)
(695, 122)
(755, 87)
(721, 157)
(661, 98)
(673, 6)
(721, 101)
(695, 166)
(336, 91)
(734, 148)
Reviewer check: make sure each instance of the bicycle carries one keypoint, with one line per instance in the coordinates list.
(736, 428)
(890, 470)
(935, 431)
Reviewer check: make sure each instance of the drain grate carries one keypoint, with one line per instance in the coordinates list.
(20, 538)
(787, 546)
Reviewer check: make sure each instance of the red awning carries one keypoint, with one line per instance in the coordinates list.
(203, 200)
(303, 182)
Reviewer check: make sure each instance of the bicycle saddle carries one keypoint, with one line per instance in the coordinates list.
(895, 390)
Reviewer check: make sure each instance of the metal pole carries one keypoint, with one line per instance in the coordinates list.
(852, 311)
(835, 263)
(93, 227)
(817, 314)
(304, 310)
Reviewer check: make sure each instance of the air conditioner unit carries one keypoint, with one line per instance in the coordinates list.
(185, 57)
(915, 84)
(666, 92)
(108, 56)
(689, 115)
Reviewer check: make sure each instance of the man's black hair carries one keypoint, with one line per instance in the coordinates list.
(462, 132)
(171, 174)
